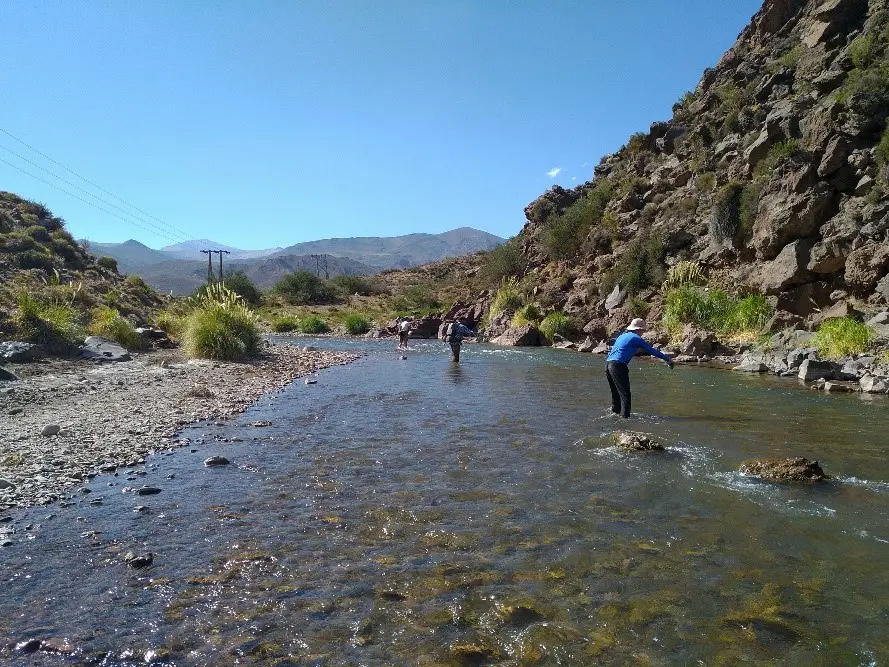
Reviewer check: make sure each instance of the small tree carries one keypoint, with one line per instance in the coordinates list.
(241, 284)
(303, 287)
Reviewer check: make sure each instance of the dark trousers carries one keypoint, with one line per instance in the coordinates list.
(618, 375)
(455, 350)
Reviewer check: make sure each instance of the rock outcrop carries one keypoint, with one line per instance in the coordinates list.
(784, 470)
(771, 175)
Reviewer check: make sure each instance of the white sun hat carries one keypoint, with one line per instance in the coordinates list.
(637, 324)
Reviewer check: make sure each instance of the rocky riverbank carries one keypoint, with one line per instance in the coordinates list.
(66, 421)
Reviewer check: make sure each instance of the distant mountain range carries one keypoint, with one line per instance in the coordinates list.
(181, 268)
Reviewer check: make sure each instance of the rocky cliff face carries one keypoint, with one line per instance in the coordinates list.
(772, 175)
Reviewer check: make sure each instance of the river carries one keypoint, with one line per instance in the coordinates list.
(418, 512)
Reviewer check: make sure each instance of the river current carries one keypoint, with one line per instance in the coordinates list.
(419, 512)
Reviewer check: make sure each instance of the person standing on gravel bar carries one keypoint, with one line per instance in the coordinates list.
(454, 335)
(617, 365)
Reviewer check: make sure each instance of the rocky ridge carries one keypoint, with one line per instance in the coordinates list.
(771, 175)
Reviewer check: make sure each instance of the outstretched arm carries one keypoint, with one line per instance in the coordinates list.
(654, 351)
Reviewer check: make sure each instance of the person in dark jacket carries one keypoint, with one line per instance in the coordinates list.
(454, 335)
(617, 365)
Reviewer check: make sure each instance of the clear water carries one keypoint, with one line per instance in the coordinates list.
(418, 512)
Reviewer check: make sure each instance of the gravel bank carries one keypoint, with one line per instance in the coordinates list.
(114, 415)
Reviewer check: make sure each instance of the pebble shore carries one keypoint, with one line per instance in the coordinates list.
(69, 421)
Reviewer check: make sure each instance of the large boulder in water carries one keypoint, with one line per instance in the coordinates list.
(524, 336)
(636, 442)
(784, 470)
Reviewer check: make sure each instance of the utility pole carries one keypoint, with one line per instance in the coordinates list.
(221, 253)
(209, 254)
(326, 275)
(317, 265)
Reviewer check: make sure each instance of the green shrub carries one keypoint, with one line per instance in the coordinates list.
(504, 261)
(748, 205)
(864, 51)
(791, 58)
(221, 327)
(842, 336)
(418, 299)
(242, 285)
(684, 102)
(34, 259)
(556, 324)
(69, 252)
(636, 142)
(7, 222)
(564, 234)
(107, 263)
(18, 242)
(285, 324)
(684, 274)
(303, 287)
(508, 298)
(46, 322)
(528, 314)
(171, 323)
(108, 323)
(39, 233)
(730, 98)
(314, 325)
(348, 285)
(725, 219)
(137, 282)
(870, 86)
(639, 267)
(881, 152)
(705, 182)
(356, 324)
(715, 311)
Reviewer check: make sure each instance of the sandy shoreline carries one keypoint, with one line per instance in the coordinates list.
(116, 414)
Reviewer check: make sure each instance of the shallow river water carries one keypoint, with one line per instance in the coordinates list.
(417, 512)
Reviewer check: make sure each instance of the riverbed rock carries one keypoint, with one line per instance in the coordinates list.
(697, 342)
(138, 560)
(7, 375)
(103, 350)
(840, 387)
(871, 384)
(784, 470)
(28, 646)
(216, 461)
(147, 491)
(750, 365)
(636, 442)
(586, 346)
(524, 336)
(50, 430)
(812, 369)
(16, 352)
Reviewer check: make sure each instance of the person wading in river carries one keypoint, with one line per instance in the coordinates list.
(617, 365)
(404, 332)
(454, 335)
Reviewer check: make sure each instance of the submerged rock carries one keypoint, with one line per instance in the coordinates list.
(216, 461)
(138, 560)
(784, 470)
(636, 442)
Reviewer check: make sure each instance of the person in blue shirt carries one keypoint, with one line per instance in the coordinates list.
(454, 335)
(617, 365)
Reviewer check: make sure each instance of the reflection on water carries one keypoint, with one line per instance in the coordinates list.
(424, 512)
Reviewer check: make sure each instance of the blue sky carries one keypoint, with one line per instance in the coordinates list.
(262, 124)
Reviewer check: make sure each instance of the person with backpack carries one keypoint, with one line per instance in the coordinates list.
(404, 332)
(454, 335)
(617, 365)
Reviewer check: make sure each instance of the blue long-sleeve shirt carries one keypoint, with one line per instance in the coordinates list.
(628, 344)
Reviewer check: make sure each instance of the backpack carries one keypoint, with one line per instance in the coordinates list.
(449, 332)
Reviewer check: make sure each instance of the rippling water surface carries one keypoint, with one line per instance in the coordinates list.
(416, 512)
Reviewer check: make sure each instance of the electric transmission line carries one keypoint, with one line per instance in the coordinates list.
(95, 185)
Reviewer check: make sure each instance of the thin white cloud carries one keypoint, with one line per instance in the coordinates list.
(552, 173)
(574, 178)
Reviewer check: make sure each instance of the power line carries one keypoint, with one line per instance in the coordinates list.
(77, 187)
(98, 187)
(71, 194)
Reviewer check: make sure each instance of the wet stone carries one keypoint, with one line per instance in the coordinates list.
(147, 491)
(50, 430)
(29, 646)
(216, 461)
(138, 560)
(636, 442)
(784, 470)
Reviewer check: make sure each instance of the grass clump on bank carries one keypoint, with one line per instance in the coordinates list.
(356, 324)
(108, 323)
(509, 297)
(221, 326)
(715, 311)
(313, 325)
(285, 324)
(842, 337)
(49, 322)
(556, 324)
